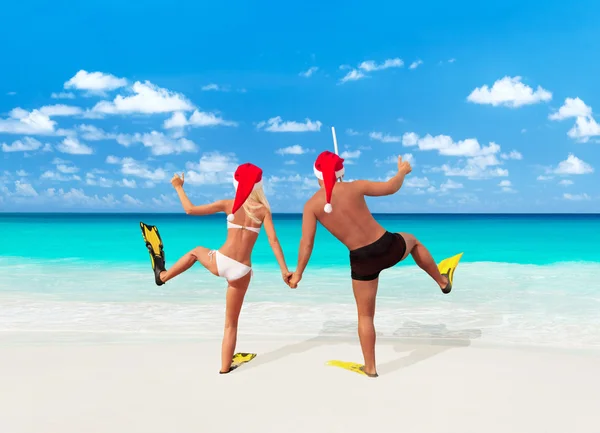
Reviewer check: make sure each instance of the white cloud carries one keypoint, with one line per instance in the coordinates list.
(78, 197)
(94, 82)
(22, 173)
(472, 171)
(444, 144)
(512, 155)
(296, 149)
(60, 110)
(213, 168)
(351, 131)
(159, 143)
(24, 189)
(415, 64)
(197, 119)
(309, 72)
(450, 184)
(73, 146)
(565, 182)
(215, 87)
(576, 197)
(585, 125)
(127, 183)
(147, 99)
(93, 180)
(27, 123)
(573, 165)
(387, 138)
(291, 178)
(275, 124)
(131, 200)
(131, 167)
(572, 107)
(353, 75)
(509, 92)
(369, 66)
(350, 154)
(163, 200)
(60, 177)
(63, 95)
(27, 144)
(416, 182)
(505, 183)
(544, 178)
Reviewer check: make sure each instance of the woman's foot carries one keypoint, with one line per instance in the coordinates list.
(446, 285)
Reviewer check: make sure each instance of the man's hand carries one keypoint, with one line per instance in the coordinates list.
(177, 181)
(286, 275)
(403, 166)
(294, 280)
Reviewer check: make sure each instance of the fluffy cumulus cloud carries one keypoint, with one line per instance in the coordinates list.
(28, 123)
(585, 126)
(385, 138)
(132, 167)
(196, 119)
(94, 82)
(73, 146)
(296, 149)
(159, 143)
(213, 168)
(415, 64)
(481, 161)
(572, 166)
(27, 144)
(276, 124)
(147, 98)
(509, 92)
(350, 155)
(355, 74)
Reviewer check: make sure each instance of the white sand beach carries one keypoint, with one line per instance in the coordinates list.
(425, 385)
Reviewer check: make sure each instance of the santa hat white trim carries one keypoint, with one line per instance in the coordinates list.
(256, 186)
(319, 174)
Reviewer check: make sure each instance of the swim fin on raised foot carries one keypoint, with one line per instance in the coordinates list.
(155, 248)
(351, 366)
(238, 359)
(447, 268)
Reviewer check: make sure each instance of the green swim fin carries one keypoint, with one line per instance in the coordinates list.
(447, 268)
(155, 248)
(351, 366)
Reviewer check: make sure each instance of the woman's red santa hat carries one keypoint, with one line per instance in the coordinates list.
(329, 167)
(247, 178)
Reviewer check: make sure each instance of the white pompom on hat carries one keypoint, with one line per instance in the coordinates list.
(329, 167)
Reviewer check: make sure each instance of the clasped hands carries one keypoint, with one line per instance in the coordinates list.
(291, 278)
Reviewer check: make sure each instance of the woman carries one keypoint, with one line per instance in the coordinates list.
(246, 213)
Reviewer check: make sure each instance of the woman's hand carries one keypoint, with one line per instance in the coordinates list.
(286, 275)
(177, 181)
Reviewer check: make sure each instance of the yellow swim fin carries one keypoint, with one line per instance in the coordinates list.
(155, 248)
(351, 366)
(239, 359)
(447, 268)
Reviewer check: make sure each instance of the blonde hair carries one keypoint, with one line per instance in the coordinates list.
(257, 195)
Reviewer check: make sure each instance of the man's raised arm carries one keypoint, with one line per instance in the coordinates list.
(389, 187)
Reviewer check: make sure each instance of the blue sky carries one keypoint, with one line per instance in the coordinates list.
(495, 105)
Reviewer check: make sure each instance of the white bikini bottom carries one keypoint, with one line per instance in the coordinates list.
(228, 268)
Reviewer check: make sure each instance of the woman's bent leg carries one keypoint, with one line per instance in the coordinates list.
(200, 254)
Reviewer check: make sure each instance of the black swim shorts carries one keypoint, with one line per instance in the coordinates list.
(367, 262)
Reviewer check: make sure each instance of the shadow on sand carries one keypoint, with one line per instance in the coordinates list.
(422, 341)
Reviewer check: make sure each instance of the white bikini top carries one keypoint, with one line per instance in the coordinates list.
(237, 226)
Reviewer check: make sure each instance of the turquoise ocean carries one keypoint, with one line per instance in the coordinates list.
(523, 279)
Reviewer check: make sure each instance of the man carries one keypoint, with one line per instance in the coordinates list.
(371, 247)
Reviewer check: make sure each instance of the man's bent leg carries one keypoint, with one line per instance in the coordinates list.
(365, 293)
(423, 259)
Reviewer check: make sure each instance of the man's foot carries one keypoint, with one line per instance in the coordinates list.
(447, 286)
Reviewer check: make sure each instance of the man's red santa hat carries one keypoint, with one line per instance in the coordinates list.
(247, 178)
(329, 167)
